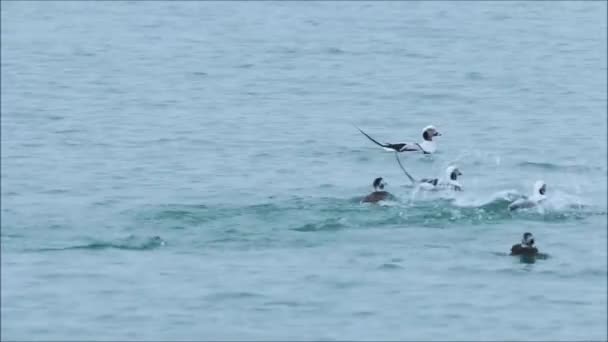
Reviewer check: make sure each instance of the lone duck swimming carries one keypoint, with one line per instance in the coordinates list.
(526, 247)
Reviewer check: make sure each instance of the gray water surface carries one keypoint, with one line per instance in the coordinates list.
(190, 170)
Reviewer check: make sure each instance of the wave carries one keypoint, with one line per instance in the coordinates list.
(496, 201)
(557, 167)
(131, 243)
(325, 225)
(309, 214)
(233, 295)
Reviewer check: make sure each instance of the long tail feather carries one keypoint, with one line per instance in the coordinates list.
(372, 139)
(403, 169)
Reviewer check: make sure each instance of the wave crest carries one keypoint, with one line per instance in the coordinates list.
(130, 243)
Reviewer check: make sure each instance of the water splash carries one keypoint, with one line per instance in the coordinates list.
(307, 215)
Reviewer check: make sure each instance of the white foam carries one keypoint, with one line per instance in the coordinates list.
(472, 200)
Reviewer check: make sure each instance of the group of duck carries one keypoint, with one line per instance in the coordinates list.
(449, 183)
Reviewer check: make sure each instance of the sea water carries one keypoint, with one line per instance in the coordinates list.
(191, 170)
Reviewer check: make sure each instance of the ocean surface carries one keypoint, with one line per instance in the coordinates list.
(191, 170)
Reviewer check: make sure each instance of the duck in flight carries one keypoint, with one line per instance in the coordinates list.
(427, 146)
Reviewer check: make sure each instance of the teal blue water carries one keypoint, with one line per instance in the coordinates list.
(190, 170)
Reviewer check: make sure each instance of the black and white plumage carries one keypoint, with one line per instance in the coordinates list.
(450, 183)
(427, 146)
